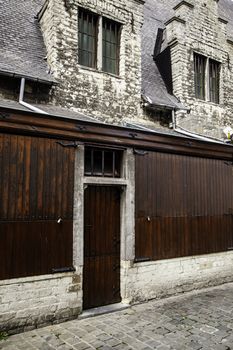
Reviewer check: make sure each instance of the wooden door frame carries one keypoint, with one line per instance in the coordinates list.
(119, 190)
(127, 210)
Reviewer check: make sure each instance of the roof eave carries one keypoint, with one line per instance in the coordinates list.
(28, 77)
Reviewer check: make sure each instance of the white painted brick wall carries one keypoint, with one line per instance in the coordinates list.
(35, 301)
(148, 280)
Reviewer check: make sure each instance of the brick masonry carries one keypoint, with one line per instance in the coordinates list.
(201, 31)
(30, 302)
(87, 90)
(156, 279)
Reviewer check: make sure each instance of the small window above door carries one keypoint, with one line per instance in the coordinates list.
(103, 162)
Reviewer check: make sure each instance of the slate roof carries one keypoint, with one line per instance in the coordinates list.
(226, 11)
(49, 109)
(153, 87)
(22, 49)
(156, 13)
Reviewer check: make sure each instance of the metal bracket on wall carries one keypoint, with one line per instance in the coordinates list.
(70, 145)
(63, 269)
(81, 127)
(4, 115)
(140, 152)
(133, 135)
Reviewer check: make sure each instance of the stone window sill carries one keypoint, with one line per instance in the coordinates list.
(208, 102)
(95, 70)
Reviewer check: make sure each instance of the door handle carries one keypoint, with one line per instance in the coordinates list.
(59, 221)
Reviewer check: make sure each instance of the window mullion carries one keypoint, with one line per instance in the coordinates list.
(207, 80)
(100, 44)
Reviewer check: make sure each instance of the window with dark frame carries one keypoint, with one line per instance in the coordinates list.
(102, 162)
(206, 78)
(99, 42)
(111, 46)
(214, 70)
(199, 75)
(87, 36)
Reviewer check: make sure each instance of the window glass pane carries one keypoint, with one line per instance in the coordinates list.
(111, 38)
(87, 27)
(108, 163)
(102, 162)
(118, 160)
(199, 75)
(214, 69)
(108, 49)
(88, 161)
(113, 51)
(97, 162)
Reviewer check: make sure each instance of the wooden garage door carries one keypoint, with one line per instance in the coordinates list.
(184, 205)
(36, 189)
(101, 285)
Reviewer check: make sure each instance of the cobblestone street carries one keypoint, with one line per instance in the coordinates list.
(197, 320)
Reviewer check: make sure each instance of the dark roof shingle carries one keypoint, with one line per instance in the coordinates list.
(22, 50)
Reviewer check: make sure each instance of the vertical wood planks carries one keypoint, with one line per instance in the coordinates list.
(36, 188)
(101, 284)
(189, 202)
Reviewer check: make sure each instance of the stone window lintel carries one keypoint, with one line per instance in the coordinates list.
(222, 20)
(175, 19)
(185, 3)
(230, 41)
(173, 42)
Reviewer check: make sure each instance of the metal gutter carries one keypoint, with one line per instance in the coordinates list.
(17, 75)
(193, 135)
(25, 104)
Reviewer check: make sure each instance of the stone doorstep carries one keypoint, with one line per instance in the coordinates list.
(103, 310)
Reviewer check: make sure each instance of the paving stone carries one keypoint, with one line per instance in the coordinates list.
(209, 329)
(82, 346)
(178, 323)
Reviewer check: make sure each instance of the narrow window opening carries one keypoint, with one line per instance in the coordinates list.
(87, 26)
(199, 75)
(99, 42)
(103, 162)
(97, 169)
(214, 69)
(111, 46)
(206, 78)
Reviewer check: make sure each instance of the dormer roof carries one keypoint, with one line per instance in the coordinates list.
(157, 13)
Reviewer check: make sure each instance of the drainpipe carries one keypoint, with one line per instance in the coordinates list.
(25, 104)
(188, 133)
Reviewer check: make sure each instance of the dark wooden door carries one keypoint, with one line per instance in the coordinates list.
(101, 280)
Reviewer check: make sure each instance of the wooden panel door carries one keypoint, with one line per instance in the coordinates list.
(36, 189)
(101, 280)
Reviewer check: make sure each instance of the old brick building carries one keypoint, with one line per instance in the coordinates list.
(115, 174)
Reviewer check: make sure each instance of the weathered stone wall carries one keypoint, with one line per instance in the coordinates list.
(91, 91)
(156, 279)
(201, 30)
(30, 302)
